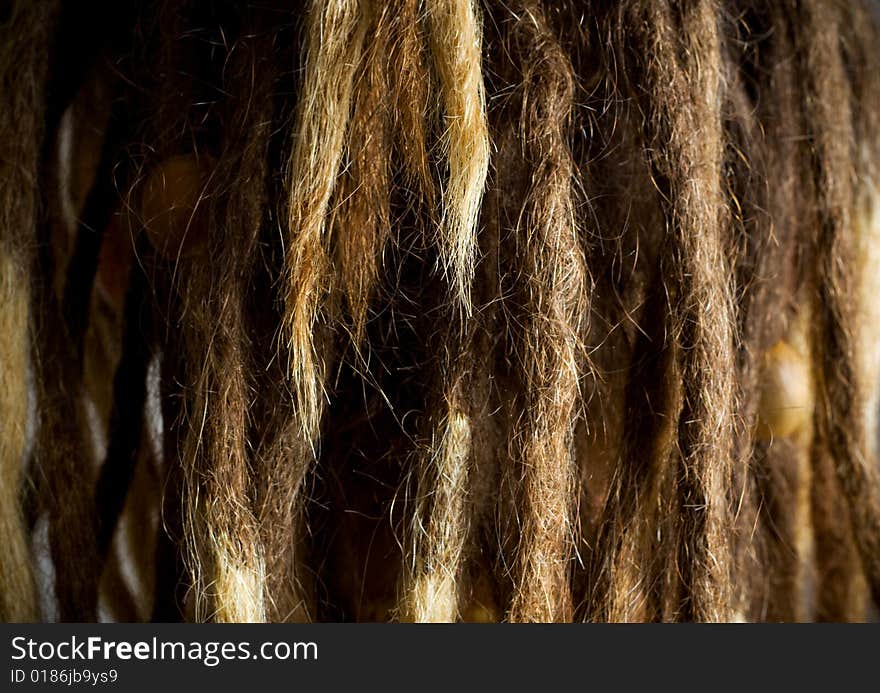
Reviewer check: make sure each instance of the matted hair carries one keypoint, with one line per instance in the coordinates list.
(439, 310)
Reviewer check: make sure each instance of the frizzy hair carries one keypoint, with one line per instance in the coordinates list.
(440, 310)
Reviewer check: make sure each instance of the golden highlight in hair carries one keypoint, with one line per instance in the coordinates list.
(334, 43)
(454, 35)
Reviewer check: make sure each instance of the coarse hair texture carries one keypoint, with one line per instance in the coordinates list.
(21, 133)
(439, 310)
